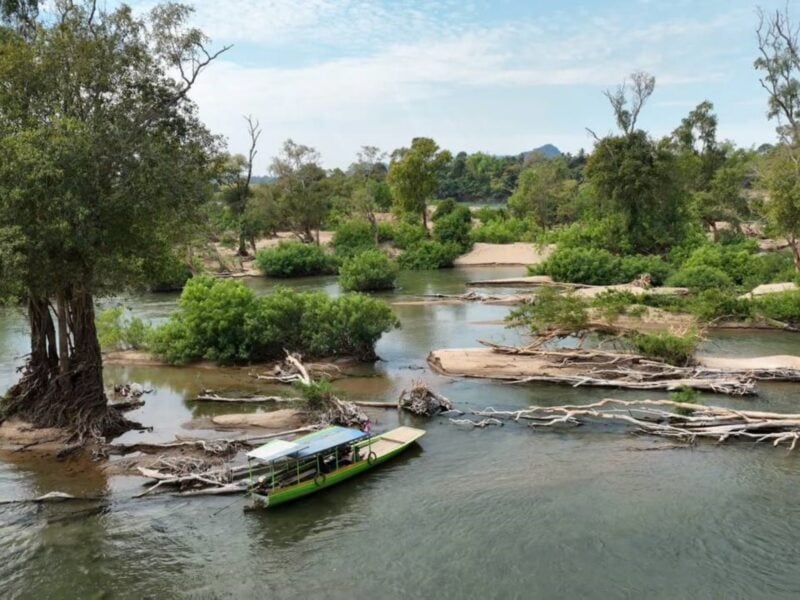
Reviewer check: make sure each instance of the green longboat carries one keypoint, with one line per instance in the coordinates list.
(320, 460)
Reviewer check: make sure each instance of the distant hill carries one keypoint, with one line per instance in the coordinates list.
(548, 151)
(256, 179)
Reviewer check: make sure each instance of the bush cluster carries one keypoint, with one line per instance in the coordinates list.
(353, 237)
(454, 227)
(118, 330)
(595, 266)
(295, 259)
(428, 255)
(370, 270)
(224, 321)
(408, 235)
(667, 347)
(505, 231)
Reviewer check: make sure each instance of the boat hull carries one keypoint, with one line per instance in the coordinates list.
(306, 488)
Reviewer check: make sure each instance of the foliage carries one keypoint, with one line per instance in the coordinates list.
(454, 227)
(370, 270)
(353, 237)
(685, 395)
(552, 311)
(543, 191)
(486, 214)
(443, 208)
(599, 267)
(607, 233)
(701, 277)
(612, 304)
(316, 394)
(117, 330)
(407, 236)
(294, 259)
(505, 231)
(718, 303)
(784, 307)
(413, 175)
(669, 347)
(224, 321)
(428, 255)
(171, 275)
(479, 176)
(301, 188)
(637, 180)
(783, 209)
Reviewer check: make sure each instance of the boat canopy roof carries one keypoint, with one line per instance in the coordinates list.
(327, 439)
(274, 450)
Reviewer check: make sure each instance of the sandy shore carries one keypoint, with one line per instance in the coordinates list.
(519, 253)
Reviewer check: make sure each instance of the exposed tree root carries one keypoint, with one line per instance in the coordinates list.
(421, 400)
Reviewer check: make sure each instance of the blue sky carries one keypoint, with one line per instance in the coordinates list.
(501, 76)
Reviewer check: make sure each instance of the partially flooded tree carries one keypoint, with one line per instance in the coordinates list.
(371, 191)
(102, 161)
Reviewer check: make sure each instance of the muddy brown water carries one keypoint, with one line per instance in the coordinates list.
(501, 513)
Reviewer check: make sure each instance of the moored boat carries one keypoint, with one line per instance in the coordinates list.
(320, 460)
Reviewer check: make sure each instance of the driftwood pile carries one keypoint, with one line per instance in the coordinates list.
(683, 421)
(423, 401)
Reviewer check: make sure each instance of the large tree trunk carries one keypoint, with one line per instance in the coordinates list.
(62, 384)
(242, 251)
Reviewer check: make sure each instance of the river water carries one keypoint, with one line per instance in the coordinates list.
(497, 513)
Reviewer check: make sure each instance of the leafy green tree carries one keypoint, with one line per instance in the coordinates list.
(301, 187)
(414, 175)
(637, 180)
(103, 163)
(371, 192)
(544, 192)
(370, 270)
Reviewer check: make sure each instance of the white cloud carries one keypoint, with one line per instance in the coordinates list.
(395, 70)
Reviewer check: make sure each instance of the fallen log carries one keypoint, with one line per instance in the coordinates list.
(208, 396)
(685, 422)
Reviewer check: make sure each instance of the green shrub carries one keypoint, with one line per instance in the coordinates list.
(408, 235)
(552, 310)
(631, 267)
(717, 304)
(317, 394)
(224, 321)
(454, 227)
(486, 214)
(784, 307)
(667, 347)
(700, 278)
(428, 255)
(612, 304)
(117, 330)
(603, 234)
(370, 270)
(171, 275)
(386, 231)
(444, 208)
(294, 259)
(506, 231)
(581, 265)
(685, 395)
(353, 237)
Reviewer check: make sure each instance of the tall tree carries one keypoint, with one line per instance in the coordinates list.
(301, 185)
(636, 178)
(236, 176)
(371, 190)
(779, 63)
(102, 161)
(414, 175)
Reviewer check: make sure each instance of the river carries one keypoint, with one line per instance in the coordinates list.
(503, 512)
